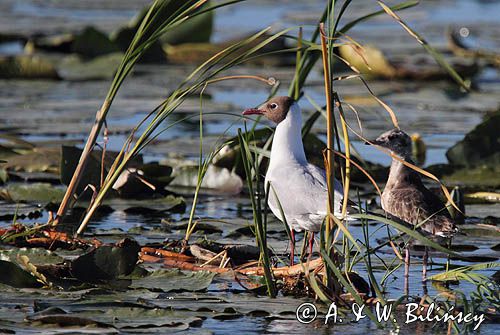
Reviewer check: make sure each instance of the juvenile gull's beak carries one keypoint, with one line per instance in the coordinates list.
(252, 111)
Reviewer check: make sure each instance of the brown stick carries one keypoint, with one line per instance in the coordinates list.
(166, 253)
(258, 270)
(172, 263)
(285, 271)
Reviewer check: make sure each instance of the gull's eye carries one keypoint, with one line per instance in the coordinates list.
(273, 105)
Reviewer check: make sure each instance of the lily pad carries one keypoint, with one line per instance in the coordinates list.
(175, 280)
(156, 206)
(76, 68)
(26, 66)
(36, 255)
(136, 318)
(41, 193)
(123, 36)
(55, 43)
(476, 178)
(106, 262)
(11, 274)
(36, 160)
(65, 320)
(197, 52)
(92, 43)
(480, 147)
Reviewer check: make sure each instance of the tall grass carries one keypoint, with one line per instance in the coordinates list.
(204, 74)
(259, 205)
(150, 29)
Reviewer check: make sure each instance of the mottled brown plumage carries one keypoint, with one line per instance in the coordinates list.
(405, 197)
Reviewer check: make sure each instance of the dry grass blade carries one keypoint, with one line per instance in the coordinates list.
(347, 148)
(366, 173)
(437, 56)
(329, 122)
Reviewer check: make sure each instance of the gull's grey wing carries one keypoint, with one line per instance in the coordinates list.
(301, 190)
(320, 175)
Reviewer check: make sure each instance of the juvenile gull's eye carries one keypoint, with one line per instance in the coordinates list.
(273, 105)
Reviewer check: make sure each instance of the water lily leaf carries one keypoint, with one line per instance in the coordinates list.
(106, 262)
(206, 228)
(479, 230)
(41, 193)
(124, 35)
(92, 42)
(175, 280)
(36, 255)
(481, 146)
(36, 160)
(244, 303)
(4, 176)
(55, 43)
(135, 317)
(157, 206)
(76, 68)
(64, 320)
(161, 174)
(11, 274)
(27, 66)
(6, 152)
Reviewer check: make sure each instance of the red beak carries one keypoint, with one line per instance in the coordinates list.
(253, 111)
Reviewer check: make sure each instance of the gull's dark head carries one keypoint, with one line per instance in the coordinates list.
(276, 109)
(395, 140)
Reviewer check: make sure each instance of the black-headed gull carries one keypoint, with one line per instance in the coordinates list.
(301, 188)
(406, 198)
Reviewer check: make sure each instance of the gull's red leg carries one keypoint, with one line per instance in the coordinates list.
(292, 246)
(311, 243)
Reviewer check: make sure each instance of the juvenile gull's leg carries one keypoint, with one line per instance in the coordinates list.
(424, 264)
(407, 270)
(292, 246)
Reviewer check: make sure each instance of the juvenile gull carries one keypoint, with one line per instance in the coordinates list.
(301, 188)
(406, 198)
